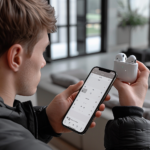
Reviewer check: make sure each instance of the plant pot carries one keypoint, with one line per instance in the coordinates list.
(134, 36)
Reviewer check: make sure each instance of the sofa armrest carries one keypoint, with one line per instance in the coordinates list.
(46, 91)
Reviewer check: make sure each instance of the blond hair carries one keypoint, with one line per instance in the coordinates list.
(21, 22)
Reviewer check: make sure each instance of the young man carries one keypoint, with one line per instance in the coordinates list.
(24, 25)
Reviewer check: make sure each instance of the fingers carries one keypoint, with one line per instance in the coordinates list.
(93, 124)
(73, 96)
(118, 84)
(141, 66)
(107, 98)
(138, 75)
(144, 72)
(98, 114)
(125, 82)
(102, 107)
(72, 89)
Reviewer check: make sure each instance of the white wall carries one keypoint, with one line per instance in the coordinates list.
(113, 21)
(112, 24)
(112, 28)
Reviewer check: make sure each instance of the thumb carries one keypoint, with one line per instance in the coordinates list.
(72, 89)
(118, 84)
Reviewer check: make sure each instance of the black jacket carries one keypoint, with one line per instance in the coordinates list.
(23, 127)
(128, 131)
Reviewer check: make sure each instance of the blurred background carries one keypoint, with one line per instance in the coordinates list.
(90, 33)
(86, 27)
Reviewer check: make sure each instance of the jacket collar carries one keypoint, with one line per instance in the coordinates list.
(21, 113)
(1, 102)
(15, 113)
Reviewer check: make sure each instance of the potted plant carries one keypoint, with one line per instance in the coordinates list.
(132, 27)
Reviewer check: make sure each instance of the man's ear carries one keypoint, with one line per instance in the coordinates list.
(14, 57)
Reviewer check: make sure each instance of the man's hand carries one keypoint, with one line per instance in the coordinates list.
(61, 103)
(134, 94)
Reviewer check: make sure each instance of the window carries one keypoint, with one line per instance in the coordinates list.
(81, 28)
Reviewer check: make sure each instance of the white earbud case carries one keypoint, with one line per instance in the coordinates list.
(126, 72)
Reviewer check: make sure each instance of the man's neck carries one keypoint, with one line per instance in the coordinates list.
(7, 97)
(7, 91)
(7, 83)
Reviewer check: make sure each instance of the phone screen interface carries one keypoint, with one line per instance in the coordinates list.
(88, 99)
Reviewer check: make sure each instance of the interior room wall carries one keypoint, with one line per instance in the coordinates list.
(112, 24)
(112, 28)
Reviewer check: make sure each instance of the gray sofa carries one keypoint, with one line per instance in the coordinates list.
(93, 138)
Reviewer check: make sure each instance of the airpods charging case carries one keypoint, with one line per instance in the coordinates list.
(126, 72)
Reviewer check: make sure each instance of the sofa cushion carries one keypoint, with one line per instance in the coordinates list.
(64, 79)
(78, 73)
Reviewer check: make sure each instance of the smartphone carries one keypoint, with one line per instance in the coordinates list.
(82, 111)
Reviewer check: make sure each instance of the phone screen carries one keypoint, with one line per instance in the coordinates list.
(88, 99)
